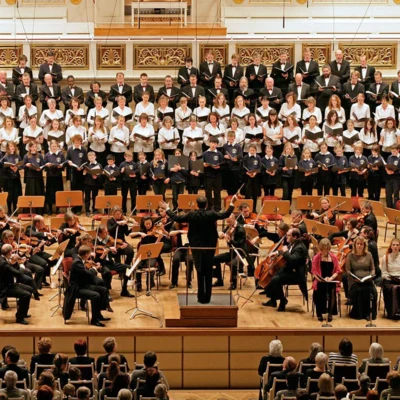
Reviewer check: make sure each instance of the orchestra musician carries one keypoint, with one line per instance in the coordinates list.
(325, 215)
(70, 229)
(293, 272)
(368, 217)
(9, 288)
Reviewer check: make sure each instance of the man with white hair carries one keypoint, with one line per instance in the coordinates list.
(11, 389)
(273, 93)
(340, 67)
(49, 90)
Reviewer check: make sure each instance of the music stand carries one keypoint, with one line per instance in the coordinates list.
(336, 200)
(148, 202)
(56, 269)
(393, 217)
(317, 228)
(308, 203)
(274, 207)
(188, 202)
(30, 202)
(145, 252)
(108, 202)
(3, 199)
(377, 206)
(69, 199)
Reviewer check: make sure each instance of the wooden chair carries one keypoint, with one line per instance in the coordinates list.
(277, 385)
(122, 368)
(380, 385)
(393, 218)
(87, 370)
(272, 368)
(375, 371)
(390, 397)
(340, 371)
(39, 368)
(312, 386)
(351, 384)
(304, 367)
(326, 397)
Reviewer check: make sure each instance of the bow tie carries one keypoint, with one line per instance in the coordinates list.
(143, 87)
(218, 88)
(72, 87)
(363, 67)
(210, 63)
(339, 63)
(50, 86)
(298, 85)
(27, 86)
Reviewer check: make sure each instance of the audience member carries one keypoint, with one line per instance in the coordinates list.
(273, 357)
(111, 372)
(80, 347)
(292, 382)
(321, 367)
(340, 392)
(83, 393)
(161, 392)
(110, 346)
(376, 357)
(45, 357)
(364, 382)
(60, 367)
(120, 381)
(69, 390)
(325, 385)
(345, 355)
(11, 390)
(46, 378)
(124, 394)
(11, 360)
(45, 393)
(393, 380)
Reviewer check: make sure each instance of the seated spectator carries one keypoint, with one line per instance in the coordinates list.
(292, 382)
(80, 347)
(4, 350)
(68, 391)
(393, 380)
(325, 385)
(111, 372)
(110, 347)
(372, 395)
(149, 361)
(345, 355)
(45, 393)
(75, 374)
(11, 359)
(152, 380)
(376, 357)
(11, 390)
(46, 378)
(315, 348)
(161, 392)
(321, 367)
(340, 392)
(60, 367)
(273, 357)
(83, 393)
(3, 396)
(364, 382)
(289, 365)
(124, 394)
(302, 394)
(121, 381)
(45, 357)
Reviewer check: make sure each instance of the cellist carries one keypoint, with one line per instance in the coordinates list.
(293, 272)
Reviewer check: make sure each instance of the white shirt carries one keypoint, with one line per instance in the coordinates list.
(288, 134)
(209, 130)
(192, 146)
(309, 144)
(69, 117)
(8, 112)
(307, 64)
(124, 112)
(72, 131)
(97, 140)
(286, 111)
(221, 112)
(341, 114)
(103, 113)
(201, 112)
(264, 113)
(162, 112)
(368, 139)
(331, 141)
(8, 137)
(44, 122)
(389, 138)
(168, 134)
(271, 132)
(252, 131)
(37, 132)
(236, 113)
(121, 134)
(380, 113)
(22, 116)
(361, 112)
(363, 72)
(239, 136)
(144, 109)
(348, 134)
(180, 115)
(140, 144)
(55, 135)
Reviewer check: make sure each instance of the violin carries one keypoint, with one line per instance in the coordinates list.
(344, 249)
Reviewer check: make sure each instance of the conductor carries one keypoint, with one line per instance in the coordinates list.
(202, 233)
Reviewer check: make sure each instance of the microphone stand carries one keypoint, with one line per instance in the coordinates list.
(371, 297)
(328, 303)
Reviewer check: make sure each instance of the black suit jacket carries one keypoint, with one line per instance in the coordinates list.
(344, 73)
(324, 96)
(21, 372)
(313, 71)
(228, 73)
(279, 80)
(81, 360)
(66, 95)
(138, 91)
(202, 225)
(275, 92)
(305, 90)
(204, 70)
(7, 273)
(8, 88)
(394, 87)
(183, 73)
(373, 102)
(56, 72)
(80, 275)
(282, 375)
(114, 93)
(89, 102)
(256, 83)
(44, 91)
(358, 88)
(42, 359)
(33, 91)
(193, 102)
(211, 94)
(17, 78)
(104, 360)
(296, 258)
(175, 95)
(369, 76)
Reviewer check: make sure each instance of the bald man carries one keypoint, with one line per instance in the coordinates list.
(340, 67)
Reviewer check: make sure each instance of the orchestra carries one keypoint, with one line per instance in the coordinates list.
(247, 130)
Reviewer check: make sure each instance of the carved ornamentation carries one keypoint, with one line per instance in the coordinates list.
(9, 56)
(270, 1)
(350, 1)
(382, 55)
(269, 53)
(320, 52)
(161, 57)
(73, 57)
(43, 2)
(220, 52)
(111, 57)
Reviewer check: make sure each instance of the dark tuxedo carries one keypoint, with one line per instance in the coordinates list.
(305, 90)
(17, 77)
(212, 93)
(44, 91)
(395, 87)
(66, 95)
(81, 360)
(203, 233)
(324, 96)
(138, 91)
(89, 102)
(42, 359)
(275, 92)
(248, 92)
(33, 91)
(193, 101)
(8, 288)
(369, 76)
(279, 81)
(114, 93)
(56, 72)
(204, 70)
(344, 73)
(256, 83)
(175, 95)
(228, 73)
(184, 73)
(7, 90)
(347, 89)
(22, 373)
(313, 71)
(374, 102)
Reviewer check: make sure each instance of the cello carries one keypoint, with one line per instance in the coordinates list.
(268, 268)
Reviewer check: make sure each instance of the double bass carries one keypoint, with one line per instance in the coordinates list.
(268, 268)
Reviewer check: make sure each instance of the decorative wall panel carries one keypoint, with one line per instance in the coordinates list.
(72, 57)
(270, 1)
(111, 57)
(43, 2)
(9, 56)
(320, 52)
(220, 52)
(269, 53)
(350, 1)
(166, 56)
(382, 55)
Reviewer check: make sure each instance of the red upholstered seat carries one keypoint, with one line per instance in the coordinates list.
(398, 205)
(26, 217)
(67, 265)
(60, 215)
(272, 217)
(269, 198)
(339, 224)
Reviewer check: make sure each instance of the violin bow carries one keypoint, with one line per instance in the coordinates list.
(9, 218)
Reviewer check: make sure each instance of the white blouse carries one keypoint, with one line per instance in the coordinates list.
(368, 139)
(225, 113)
(239, 136)
(8, 112)
(381, 113)
(392, 267)
(103, 113)
(240, 116)
(286, 111)
(72, 131)
(144, 109)
(8, 137)
(348, 134)
(120, 134)
(360, 112)
(248, 130)
(54, 135)
(34, 134)
(389, 138)
(70, 114)
(168, 134)
(341, 114)
(45, 123)
(97, 139)
(288, 134)
(180, 115)
(264, 114)
(140, 144)
(329, 140)
(209, 130)
(123, 112)
(316, 112)
(22, 115)
(202, 112)
(309, 144)
(192, 146)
